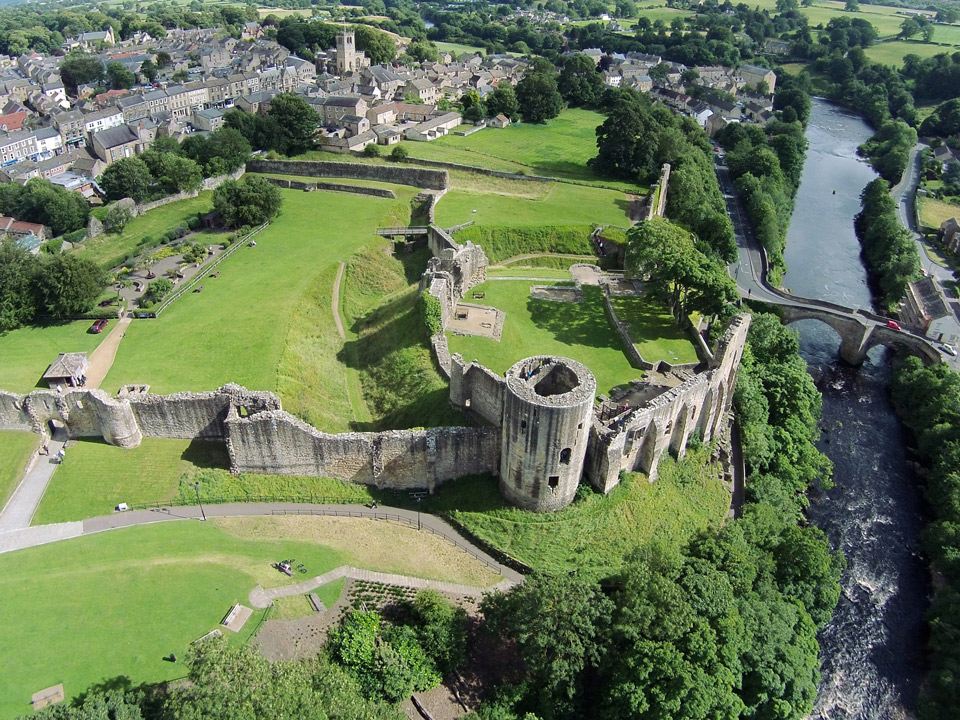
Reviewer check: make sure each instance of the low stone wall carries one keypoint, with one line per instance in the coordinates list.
(399, 174)
(337, 187)
(479, 171)
(633, 355)
(441, 351)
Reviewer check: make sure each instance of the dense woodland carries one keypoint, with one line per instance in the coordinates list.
(928, 401)
(888, 247)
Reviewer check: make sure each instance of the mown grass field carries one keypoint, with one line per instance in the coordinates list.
(110, 249)
(592, 536)
(25, 354)
(558, 148)
(934, 212)
(893, 52)
(266, 322)
(16, 448)
(456, 49)
(654, 331)
(562, 204)
(536, 327)
(95, 476)
(108, 607)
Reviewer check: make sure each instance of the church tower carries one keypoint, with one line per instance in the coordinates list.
(346, 53)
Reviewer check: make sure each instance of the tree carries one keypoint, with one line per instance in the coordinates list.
(78, 68)
(120, 78)
(377, 45)
(503, 101)
(851, 6)
(909, 28)
(173, 172)
(538, 97)
(68, 284)
(399, 153)
(557, 624)
(149, 70)
(220, 152)
(163, 59)
(951, 175)
(296, 123)
(41, 201)
(580, 84)
(250, 201)
(117, 217)
(127, 177)
(927, 32)
(17, 270)
(787, 6)
(372, 150)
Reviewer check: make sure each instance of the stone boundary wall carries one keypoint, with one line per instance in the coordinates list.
(337, 187)
(480, 171)
(633, 355)
(398, 174)
(276, 442)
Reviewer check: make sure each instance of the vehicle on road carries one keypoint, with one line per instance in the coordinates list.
(949, 349)
(98, 326)
(893, 325)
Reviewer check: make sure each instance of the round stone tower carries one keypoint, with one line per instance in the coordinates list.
(547, 411)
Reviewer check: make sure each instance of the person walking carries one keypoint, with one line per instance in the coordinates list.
(61, 453)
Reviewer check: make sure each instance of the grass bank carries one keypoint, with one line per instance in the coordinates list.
(593, 535)
(501, 243)
(16, 449)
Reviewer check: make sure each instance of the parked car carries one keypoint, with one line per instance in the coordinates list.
(948, 349)
(893, 325)
(98, 326)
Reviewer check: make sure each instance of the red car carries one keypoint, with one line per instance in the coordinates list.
(98, 326)
(893, 325)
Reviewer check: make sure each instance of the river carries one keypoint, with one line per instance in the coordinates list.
(872, 649)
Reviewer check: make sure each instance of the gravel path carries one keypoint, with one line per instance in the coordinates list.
(101, 359)
(335, 301)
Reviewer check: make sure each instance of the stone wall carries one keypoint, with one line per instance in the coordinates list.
(337, 187)
(276, 442)
(399, 174)
(481, 171)
(476, 391)
(637, 439)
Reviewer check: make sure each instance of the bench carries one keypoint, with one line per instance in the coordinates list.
(316, 602)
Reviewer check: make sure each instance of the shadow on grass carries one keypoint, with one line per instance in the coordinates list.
(414, 263)
(471, 493)
(401, 384)
(576, 323)
(206, 454)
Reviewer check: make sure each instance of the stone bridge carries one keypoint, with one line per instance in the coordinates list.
(859, 330)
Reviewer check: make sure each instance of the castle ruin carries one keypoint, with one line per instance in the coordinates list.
(539, 427)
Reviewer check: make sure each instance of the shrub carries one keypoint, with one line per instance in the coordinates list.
(195, 223)
(372, 150)
(181, 231)
(399, 153)
(159, 289)
(432, 312)
(77, 236)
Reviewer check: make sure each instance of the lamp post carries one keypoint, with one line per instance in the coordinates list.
(196, 488)
(419, 498)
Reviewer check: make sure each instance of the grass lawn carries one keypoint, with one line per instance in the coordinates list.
(563, 204)
(95, 476)
(260, 323)
(529, 272)
(538, 327)
(111, 605)
(654, 331)
(456, 49)
(16, 448)
(893, 52)
(934, 212)
(558, 148)
(110, 250)
(25, 354)
(592, 535)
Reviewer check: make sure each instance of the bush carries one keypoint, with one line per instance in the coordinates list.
(399, 153)
(432, 313)
(372, 150)
(77, 236)
(159, 289)
(195, 223)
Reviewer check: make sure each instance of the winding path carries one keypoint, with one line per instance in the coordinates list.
(335, 301)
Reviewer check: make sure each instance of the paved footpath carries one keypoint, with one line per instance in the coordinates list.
(43, 534)
(18, 512)
(101, 359)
